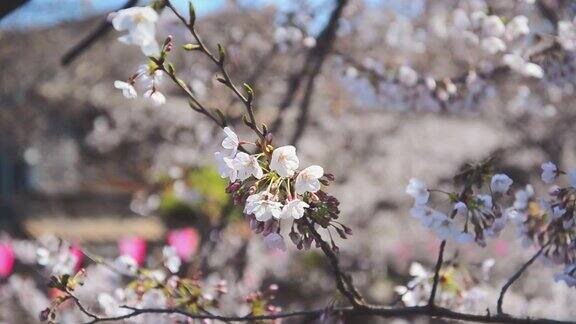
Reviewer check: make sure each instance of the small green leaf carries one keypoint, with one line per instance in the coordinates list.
(192, 13)
(221, 53)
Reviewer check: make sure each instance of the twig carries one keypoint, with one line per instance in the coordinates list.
(384, 312)
(516, 276)
(343, 280)
(437, 269)
(85, 43)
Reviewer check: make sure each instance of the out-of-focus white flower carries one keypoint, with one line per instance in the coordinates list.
(231, 141)
(521, 66)
(444, 226)
(500, 183)
(294, 209)
(464, 237)
(486, 201)
(247, 165)
(572, 177)
(226, 166)
(140, 25)
(407, 76)
(549, 172)
(126, 264)
(426, 215)
(171, 259)
(493, 26)
(111, 306)
(417, 189)
(517, 27)
(284, 161)
(567, 35)
(155, 96)
(493, 45)
(568, 275)
(263, 206)
(308, 179)
(460, 19)
(558, 212)
(275, 241)
(522, 197)
(461, 209)
(127, 89)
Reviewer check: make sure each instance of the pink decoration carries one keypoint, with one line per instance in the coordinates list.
(134, 247)
(76, 251)
(6, 260)
(185, 241)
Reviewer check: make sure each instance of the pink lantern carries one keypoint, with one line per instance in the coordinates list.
(185, 241)
(134, 247)
(6, 260)
(76, 251)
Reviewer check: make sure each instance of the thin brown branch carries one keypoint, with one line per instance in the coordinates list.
(437, 269)
(516, 276)
(89, 40)
(384, 312)
(343, 280)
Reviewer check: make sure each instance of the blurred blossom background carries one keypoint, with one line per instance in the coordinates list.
(405, 89)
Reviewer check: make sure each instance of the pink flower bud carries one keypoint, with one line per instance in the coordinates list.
(134, 247)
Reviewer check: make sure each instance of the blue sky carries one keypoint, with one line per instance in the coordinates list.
(44, 13)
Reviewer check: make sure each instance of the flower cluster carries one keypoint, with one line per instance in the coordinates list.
(270, 187)
(457, 285)
(473, 216)
(551, 222)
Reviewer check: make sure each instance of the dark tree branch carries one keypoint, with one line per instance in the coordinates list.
(516, 276)
(384, 312)
(85, 43)
(312, 68)
(437, 269)
(343, 280)
(7, 7)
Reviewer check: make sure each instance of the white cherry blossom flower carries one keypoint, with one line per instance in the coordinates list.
(231, 141)
(493, 45)
(407, 76)
(284, 161)
(572, 177)
(522, 197)
(567, 35)
(486, 202)
(426, 215)
(126, 264)
(549, 172)
(247, 165)
(517, 27)
(443, 226)
(568, 275)
(294, 209)
(519, 65)
(461, 209)
(155, 96)
(493, 26)
(263, 206)
(127, 89)
(171, 259)
(140, 25)
(226, 166)
(500, 183)
(418, 190)
(308, 179)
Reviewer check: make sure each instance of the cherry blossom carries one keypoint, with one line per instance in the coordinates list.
(226, 166)
(308, 179)
(230, 142)
(127, 89)
(140, 25)
(284, 161)
(417, 189)
(247, 165)
(500, 183)
(549, 172)
(294, 209)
